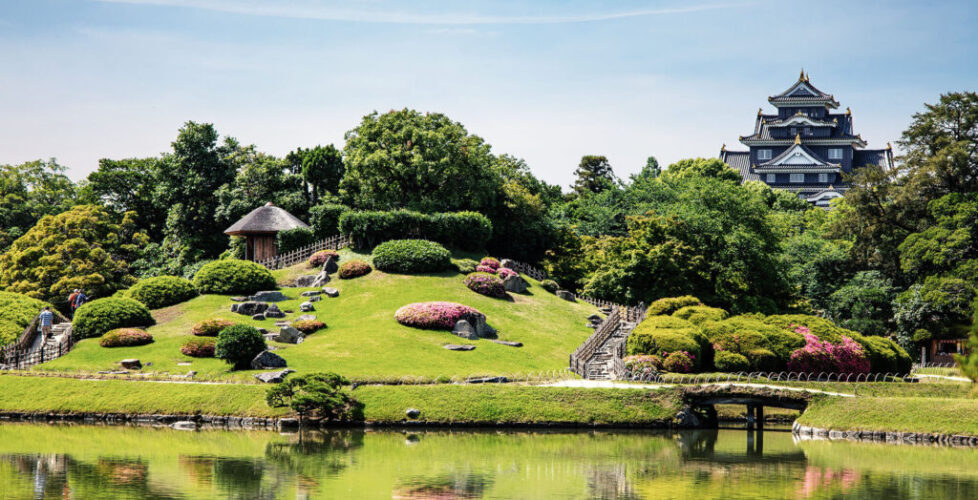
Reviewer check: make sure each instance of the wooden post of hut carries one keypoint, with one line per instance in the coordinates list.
(259, 229)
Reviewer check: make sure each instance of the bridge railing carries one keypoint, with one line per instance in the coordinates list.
(678, 379)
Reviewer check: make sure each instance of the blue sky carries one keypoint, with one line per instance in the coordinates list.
(544, 80)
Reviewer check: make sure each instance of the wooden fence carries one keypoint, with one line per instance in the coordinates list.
(301, 254)
(21, 354)
(581, 356)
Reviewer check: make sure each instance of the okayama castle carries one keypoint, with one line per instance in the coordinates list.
(804, 148)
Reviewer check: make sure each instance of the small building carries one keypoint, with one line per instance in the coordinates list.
(259, 229)
(805, 147)
(942, 351)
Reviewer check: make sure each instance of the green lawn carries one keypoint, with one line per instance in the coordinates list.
(933, 415)
(363, 341)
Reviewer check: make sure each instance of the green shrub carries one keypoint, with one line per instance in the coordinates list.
(726, 361)
(885, 355)
(550, 286)
(190, 270)
(197, 347)
(308, 326)
(463, 230)
(325, 219)
(763, 360)
(17, 311)
(353, 269)
(679, 362)
(125, 337)
(231, 276)
(294, 239)
(162, 291)
(97, 317)
(211, 327)
(465, 266)
(237, 248)
(741, 334)
(700, 314)
(238, 345)
(411, 256)
(670, 305)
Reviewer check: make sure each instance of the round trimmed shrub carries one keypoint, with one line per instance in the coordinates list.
(319, 258)
(162, 291)
(238, 345)
(490, 262)
(700, 314)
(353, 269)
(763, 360)
(411, 256)
(550, 286)
(232, 276)
(211, 327)
(465, 266)
(436, 315)
(97, 317)
(197, 347)
(484, 269)
(726, 361)
(485, 284)
(678, 362)
(308, 326)
(669, 305)
(125, 337)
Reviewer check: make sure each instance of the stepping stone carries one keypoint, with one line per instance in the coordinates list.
(281, 324)
(131, 364)
(315, 298)
(507, 342)
(239, 299)
(457, 347)
(306, 307)
(331, 292)
(259, 317)
(306, 317)
(273, 377)
(311, 293)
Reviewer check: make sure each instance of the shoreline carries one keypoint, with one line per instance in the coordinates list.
(806, 433)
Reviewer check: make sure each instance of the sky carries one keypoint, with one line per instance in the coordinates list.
(544, 80)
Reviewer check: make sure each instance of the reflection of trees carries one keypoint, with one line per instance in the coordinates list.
(459, 485)
(610, 483)
(312, 455)
(58, 476)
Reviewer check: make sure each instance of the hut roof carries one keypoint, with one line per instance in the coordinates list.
(266, 219)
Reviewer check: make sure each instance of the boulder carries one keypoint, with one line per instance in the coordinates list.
(331, 292)
(275, 377)
(306, 307)
(515, 284)
(258, 317)
(508, 264)
(465, 330)
(274, 312)
(305, 280)
(457, 347)
(262, 331)
(564, 294)
(267, 359)
(606, 309)
(315, 298)
(311, 293)
(270, 337)
(306, 317)
(249, 308)
(131, 364)
(509, 343)
(239, 299)
(321, 279)
(330, 266)
(290, 335)
(268, 296)
(413, 413)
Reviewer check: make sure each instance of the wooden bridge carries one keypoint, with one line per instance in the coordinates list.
(703, 400)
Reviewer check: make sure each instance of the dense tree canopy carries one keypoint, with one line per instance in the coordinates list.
(593, 175)
(30, 191)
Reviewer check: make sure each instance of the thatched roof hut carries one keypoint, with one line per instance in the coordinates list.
(260, 227)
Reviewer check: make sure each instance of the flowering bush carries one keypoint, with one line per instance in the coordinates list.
(643, 364)
(210, 327)
(436, 315)
(505, 272)
(490, 262)
(125, 337)
(823, 356)
(484, 269)
(353, 269)
(485, 284)
(308, 326)
(678, 362)
(319, 258)
(196, 347)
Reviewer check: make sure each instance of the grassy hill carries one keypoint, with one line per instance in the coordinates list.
(363, 341)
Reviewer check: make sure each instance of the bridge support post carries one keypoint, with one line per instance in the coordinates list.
(759, 410)
(750, 417)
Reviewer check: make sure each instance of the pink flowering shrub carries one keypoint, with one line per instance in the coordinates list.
(125, 337)
(485, 284)
(436, 315)
(505, 272)
(818, 356)
(678, 362)
(643, 364)
(485, 269)
(319, 258)
(490, 262)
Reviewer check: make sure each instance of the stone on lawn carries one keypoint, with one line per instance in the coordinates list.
(131, 364)
(258, 317)
(280, 324)
(330, 266)
(508, 264)
(290, 335)
(315, 298)
(268, 296)
(305, 280)
(331, 292)
(413, 413)
(306, 307)
(564, 294)
(595, 317)
(239, 299)
(249, 308)
(465, 330)
(270, 337)
(267, 359)
(274, 312)
(514, 283)
(306, 317)
(457, 347)
(262, 331)
(310, 293)
(275, 377)
(507, 342)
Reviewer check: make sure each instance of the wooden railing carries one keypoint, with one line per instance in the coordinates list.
(21, 354)
(301, 254)
(581, 356)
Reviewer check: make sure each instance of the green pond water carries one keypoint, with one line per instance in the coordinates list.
(97, 462)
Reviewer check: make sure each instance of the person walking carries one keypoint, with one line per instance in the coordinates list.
(80, 298)
(47, 320)
(71, 303)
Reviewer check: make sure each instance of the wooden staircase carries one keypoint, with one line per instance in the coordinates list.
(30, 350)
(601, 365)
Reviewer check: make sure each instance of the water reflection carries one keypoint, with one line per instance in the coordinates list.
(83, 462)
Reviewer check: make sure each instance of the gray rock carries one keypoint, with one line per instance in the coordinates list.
(259, 317)
(310, 293)
(274, 312)
(306, 317)
(686, 418)
(249, 308)
(508, 264)
(465, 330)
(191, 374)
(270, 337)
(330, 266)
(564, 294)
(239, 299)
(131, 364)
(487, 380)
(267, 359)
(507, 342)
(275, 377)
(315, 298)
(331, 292)
(413, 413)
(595, 317)
(515, 284)
(457, 347)
(268, 296)
(290, 335)
(306, 307)
(305, 281)
(280, 324)
(262, 331)
(606, 309)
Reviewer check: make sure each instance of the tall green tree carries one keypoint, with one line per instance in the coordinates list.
(30, 191)
(593, 175)
(129, 185)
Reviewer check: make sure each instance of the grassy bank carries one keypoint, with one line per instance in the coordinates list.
(931, 415)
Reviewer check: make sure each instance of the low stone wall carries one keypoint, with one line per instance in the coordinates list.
(922, 438)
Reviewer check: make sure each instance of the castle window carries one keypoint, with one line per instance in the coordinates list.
(835, 153)
(763, 154)
(823, 178)
(797, 178)
(771, 178)
(792, 130)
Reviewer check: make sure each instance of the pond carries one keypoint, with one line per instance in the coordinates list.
(100, 462)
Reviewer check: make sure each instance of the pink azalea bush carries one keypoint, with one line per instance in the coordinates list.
(485, 284)
(678, 362)
(643, 363)
(490, 262)
(818, 356)
(485, 269)
(319, 258)
(436, 315)
(505, 272)
(125, 337)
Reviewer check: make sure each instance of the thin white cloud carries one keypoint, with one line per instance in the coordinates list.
(341, 11)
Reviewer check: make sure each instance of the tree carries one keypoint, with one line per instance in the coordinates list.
(424, 162)
(940, 307)
(260, 179)
(30, 191)
(864, 303)
(129, 185)
(322, 169)
(594, 175)
(315, 394)
(949, 243)
(703, 167)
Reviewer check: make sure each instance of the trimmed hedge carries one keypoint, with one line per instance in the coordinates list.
(465, 266)
(294, 239)
(238, 345)
(485, 284)
(411, 256)
(197, 347)
(99, 316)
(700, 314)
(308, 326)
(125, 337)
(550, 286)
(435, 315)
(670, 305)
(233, 276)
(162, 291)
(353, 269)
(463, 230)
(17, 311)
(679, 362)
(726, 361)
(325, 219)
(211, 327)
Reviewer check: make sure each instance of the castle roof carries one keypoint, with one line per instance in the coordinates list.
(803, 93)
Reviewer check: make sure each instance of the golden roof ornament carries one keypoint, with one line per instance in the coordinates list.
(724, 147)
(848, 111)
(797, 138)
(801, 77)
